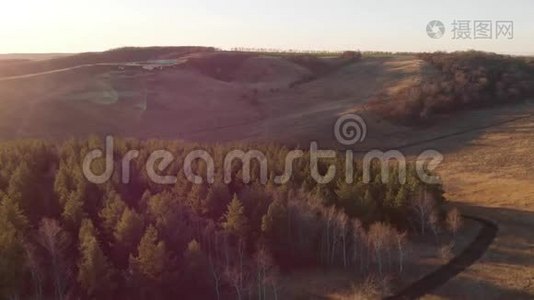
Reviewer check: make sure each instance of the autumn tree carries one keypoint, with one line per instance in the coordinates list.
(423, 205)
(378, 235)
(235, 221)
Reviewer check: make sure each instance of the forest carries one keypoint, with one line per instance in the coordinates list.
(63, 237)
(458, 81)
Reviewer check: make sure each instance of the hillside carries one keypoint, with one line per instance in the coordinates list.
(40, 63)
(222, 90)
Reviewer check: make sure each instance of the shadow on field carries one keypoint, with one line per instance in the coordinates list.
(496, 244)
(458, 264)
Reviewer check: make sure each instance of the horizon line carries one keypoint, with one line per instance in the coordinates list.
(265, 49)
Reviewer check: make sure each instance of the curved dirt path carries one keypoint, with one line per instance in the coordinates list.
(455, 266)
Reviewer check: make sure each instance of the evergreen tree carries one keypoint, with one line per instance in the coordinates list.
(126, 236)
(128, 230)
(73, 212)
(152, 259)
(95, 272)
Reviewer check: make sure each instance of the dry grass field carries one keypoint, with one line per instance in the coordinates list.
(492, 177)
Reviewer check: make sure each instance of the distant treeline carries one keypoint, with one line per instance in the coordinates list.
(63, 237)
(274, 51)
(288, 52)
(463, 80)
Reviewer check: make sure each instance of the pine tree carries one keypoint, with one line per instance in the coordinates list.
(235, 221)
(152, 259)
(73, 211)
(128, 230)
(95, 273)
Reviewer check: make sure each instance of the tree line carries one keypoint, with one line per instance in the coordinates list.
(459, 81)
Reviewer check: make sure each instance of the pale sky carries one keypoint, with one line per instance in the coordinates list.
(40, 26)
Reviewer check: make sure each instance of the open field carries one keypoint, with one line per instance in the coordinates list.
(30, 56)
(492, 177)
